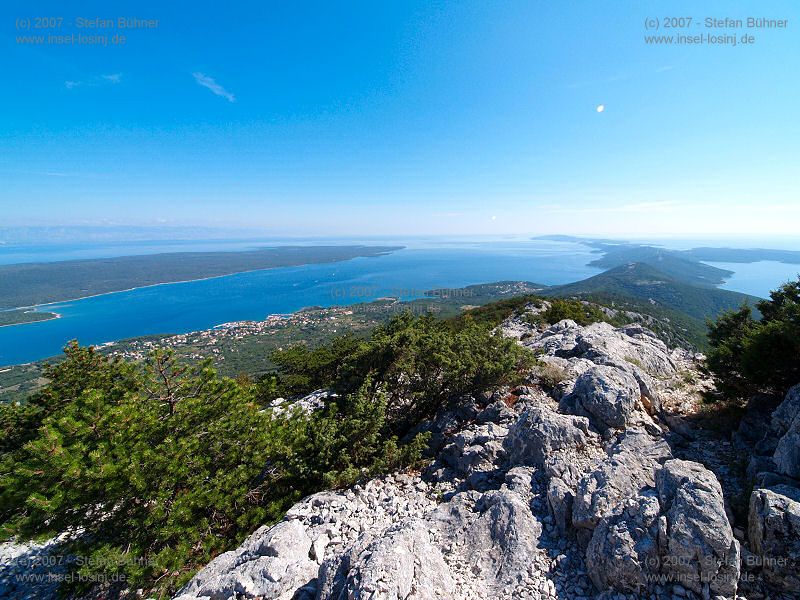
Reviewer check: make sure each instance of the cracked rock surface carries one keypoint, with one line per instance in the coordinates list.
(573, 493)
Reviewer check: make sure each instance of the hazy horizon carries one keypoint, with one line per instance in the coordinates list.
(120, 234)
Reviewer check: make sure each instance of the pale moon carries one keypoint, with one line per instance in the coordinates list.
(600, 108)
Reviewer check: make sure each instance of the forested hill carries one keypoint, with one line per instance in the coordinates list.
(668, 262)
(645, 282)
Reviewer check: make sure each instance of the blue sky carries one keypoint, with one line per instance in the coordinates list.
(403, 118)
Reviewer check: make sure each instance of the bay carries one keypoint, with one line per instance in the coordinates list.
(757, 278)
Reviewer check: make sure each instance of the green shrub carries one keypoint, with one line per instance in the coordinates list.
(749, 355)
(83, 370)
(494, 313)
(304, 370)
(581, 313)
(165, 465)
(349, 440)
(418, 362)
(166, 473)
(559, 309)
(421, 363)
(180, 467)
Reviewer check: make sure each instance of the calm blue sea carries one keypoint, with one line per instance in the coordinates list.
(423, 265)
(182, 307)
(757, 278)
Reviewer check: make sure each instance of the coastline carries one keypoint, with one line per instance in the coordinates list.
(53, 316)
(371, 309)
(151, 285)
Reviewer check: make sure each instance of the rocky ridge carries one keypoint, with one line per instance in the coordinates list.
(574, 486)
(587, 482)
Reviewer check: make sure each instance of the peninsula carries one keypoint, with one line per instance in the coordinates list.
(20, 316)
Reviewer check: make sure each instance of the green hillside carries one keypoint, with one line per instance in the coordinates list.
(644, 282)
(667, 262)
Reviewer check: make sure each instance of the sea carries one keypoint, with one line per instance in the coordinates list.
(423, 264)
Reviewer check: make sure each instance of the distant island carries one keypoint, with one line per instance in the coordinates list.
(686, 266)
(33, 284)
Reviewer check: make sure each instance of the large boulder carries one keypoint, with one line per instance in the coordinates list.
(273, 562)
(774, 534)
(623, 553)
(491, 536)
(787, 412)
(539, 432)
(601, 343)
(560, 339)
(631, 349)
(607, 395)
(787, 452)
(677, 533)
(755, 424)
(697, 546)
(402, 564)
(487, 542)
(503, 538)
(629, 469)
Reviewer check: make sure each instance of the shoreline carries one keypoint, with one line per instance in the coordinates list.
(210, 277)
(54, 316)
(365, 304)
(218, 327)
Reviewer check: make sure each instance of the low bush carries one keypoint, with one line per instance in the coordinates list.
(583, 313)
(164, 465)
